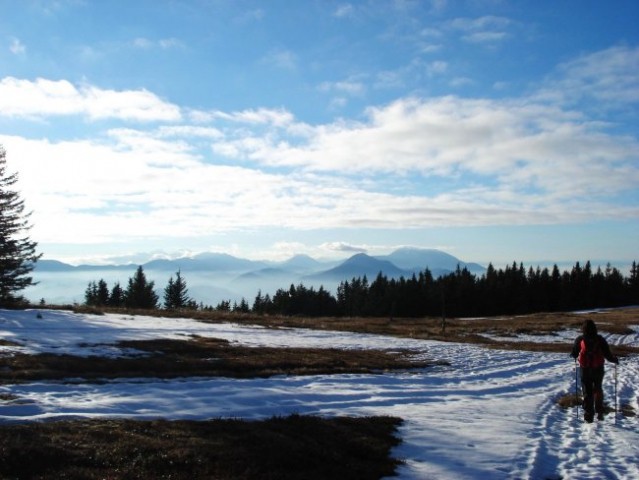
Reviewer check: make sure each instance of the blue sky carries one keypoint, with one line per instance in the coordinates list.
(497, 131)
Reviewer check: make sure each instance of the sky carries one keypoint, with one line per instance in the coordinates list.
(496, 131)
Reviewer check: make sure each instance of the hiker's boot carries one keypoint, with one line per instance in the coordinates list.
(600, 416)
(589, 417)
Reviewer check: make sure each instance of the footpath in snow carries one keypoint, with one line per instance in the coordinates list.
(490, 414)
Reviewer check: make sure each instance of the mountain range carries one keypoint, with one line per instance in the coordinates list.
(212, 277)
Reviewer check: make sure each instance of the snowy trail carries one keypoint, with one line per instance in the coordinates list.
(490, 414)
(563, 446)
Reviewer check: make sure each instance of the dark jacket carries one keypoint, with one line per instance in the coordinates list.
(604, 350)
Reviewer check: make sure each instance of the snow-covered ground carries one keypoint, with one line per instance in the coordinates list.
(490, 414)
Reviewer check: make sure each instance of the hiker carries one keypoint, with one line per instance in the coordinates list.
(591, 349)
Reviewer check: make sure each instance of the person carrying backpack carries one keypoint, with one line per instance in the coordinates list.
(591, 349)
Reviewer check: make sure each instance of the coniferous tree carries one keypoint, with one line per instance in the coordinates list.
(242, 307)
(91, 294)
(168, 295)
(223, 306)
(139, 292)
(17, 251)
(259, 305)
(633, 282)
(97, 294)
(176, 295)
(103, 293)
(116, 298)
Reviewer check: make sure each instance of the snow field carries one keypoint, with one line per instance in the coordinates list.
(491, 414)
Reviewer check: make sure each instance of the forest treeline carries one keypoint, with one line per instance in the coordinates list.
(512, 290)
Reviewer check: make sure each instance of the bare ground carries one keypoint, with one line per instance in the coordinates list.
(295, 447)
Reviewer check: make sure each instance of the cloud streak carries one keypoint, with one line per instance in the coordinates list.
(609, 77)
(42, 98)
(17, 47)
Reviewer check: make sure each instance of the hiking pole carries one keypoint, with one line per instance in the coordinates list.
(616, 415)
(576, 389)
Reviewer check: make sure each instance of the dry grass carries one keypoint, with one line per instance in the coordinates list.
(462, 330)
(619, 321)
(204, 357)
(296, 447)
(571, 400)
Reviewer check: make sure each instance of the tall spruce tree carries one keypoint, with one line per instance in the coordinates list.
(139, 292)
(97, 294)
(17, 251)
(91, 294)
(116, 298)
(176, 295)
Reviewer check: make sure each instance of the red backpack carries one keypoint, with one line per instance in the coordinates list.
(591, 355)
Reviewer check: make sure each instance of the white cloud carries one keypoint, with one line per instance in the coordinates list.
(425, 47)
(280, 58)
(438, 5)
(528, 164)
(17, 47)
(142, 43)
(337, 103)
(487, 22)
(169, 43)
(515, 144)
(437, 67)
(138, 187)
(485, 37)
(611, 77)
(163, 43)
(42, 97)
(350, 87)
(430, 32)
(389, 79)
(458, 82)
(251, 16)
(343, 247)
(486, 29)
(278, 117)
(344, 10)
(190, 131)
(415, 162)
(343, 90)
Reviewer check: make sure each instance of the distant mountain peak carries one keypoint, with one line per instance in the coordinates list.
(360, 264)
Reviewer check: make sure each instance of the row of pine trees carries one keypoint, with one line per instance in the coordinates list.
(512, 290)
(139, 294)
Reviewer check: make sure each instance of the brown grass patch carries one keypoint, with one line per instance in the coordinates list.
(206, 357)
(460, 330)
(571, 400)
(295, 447)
